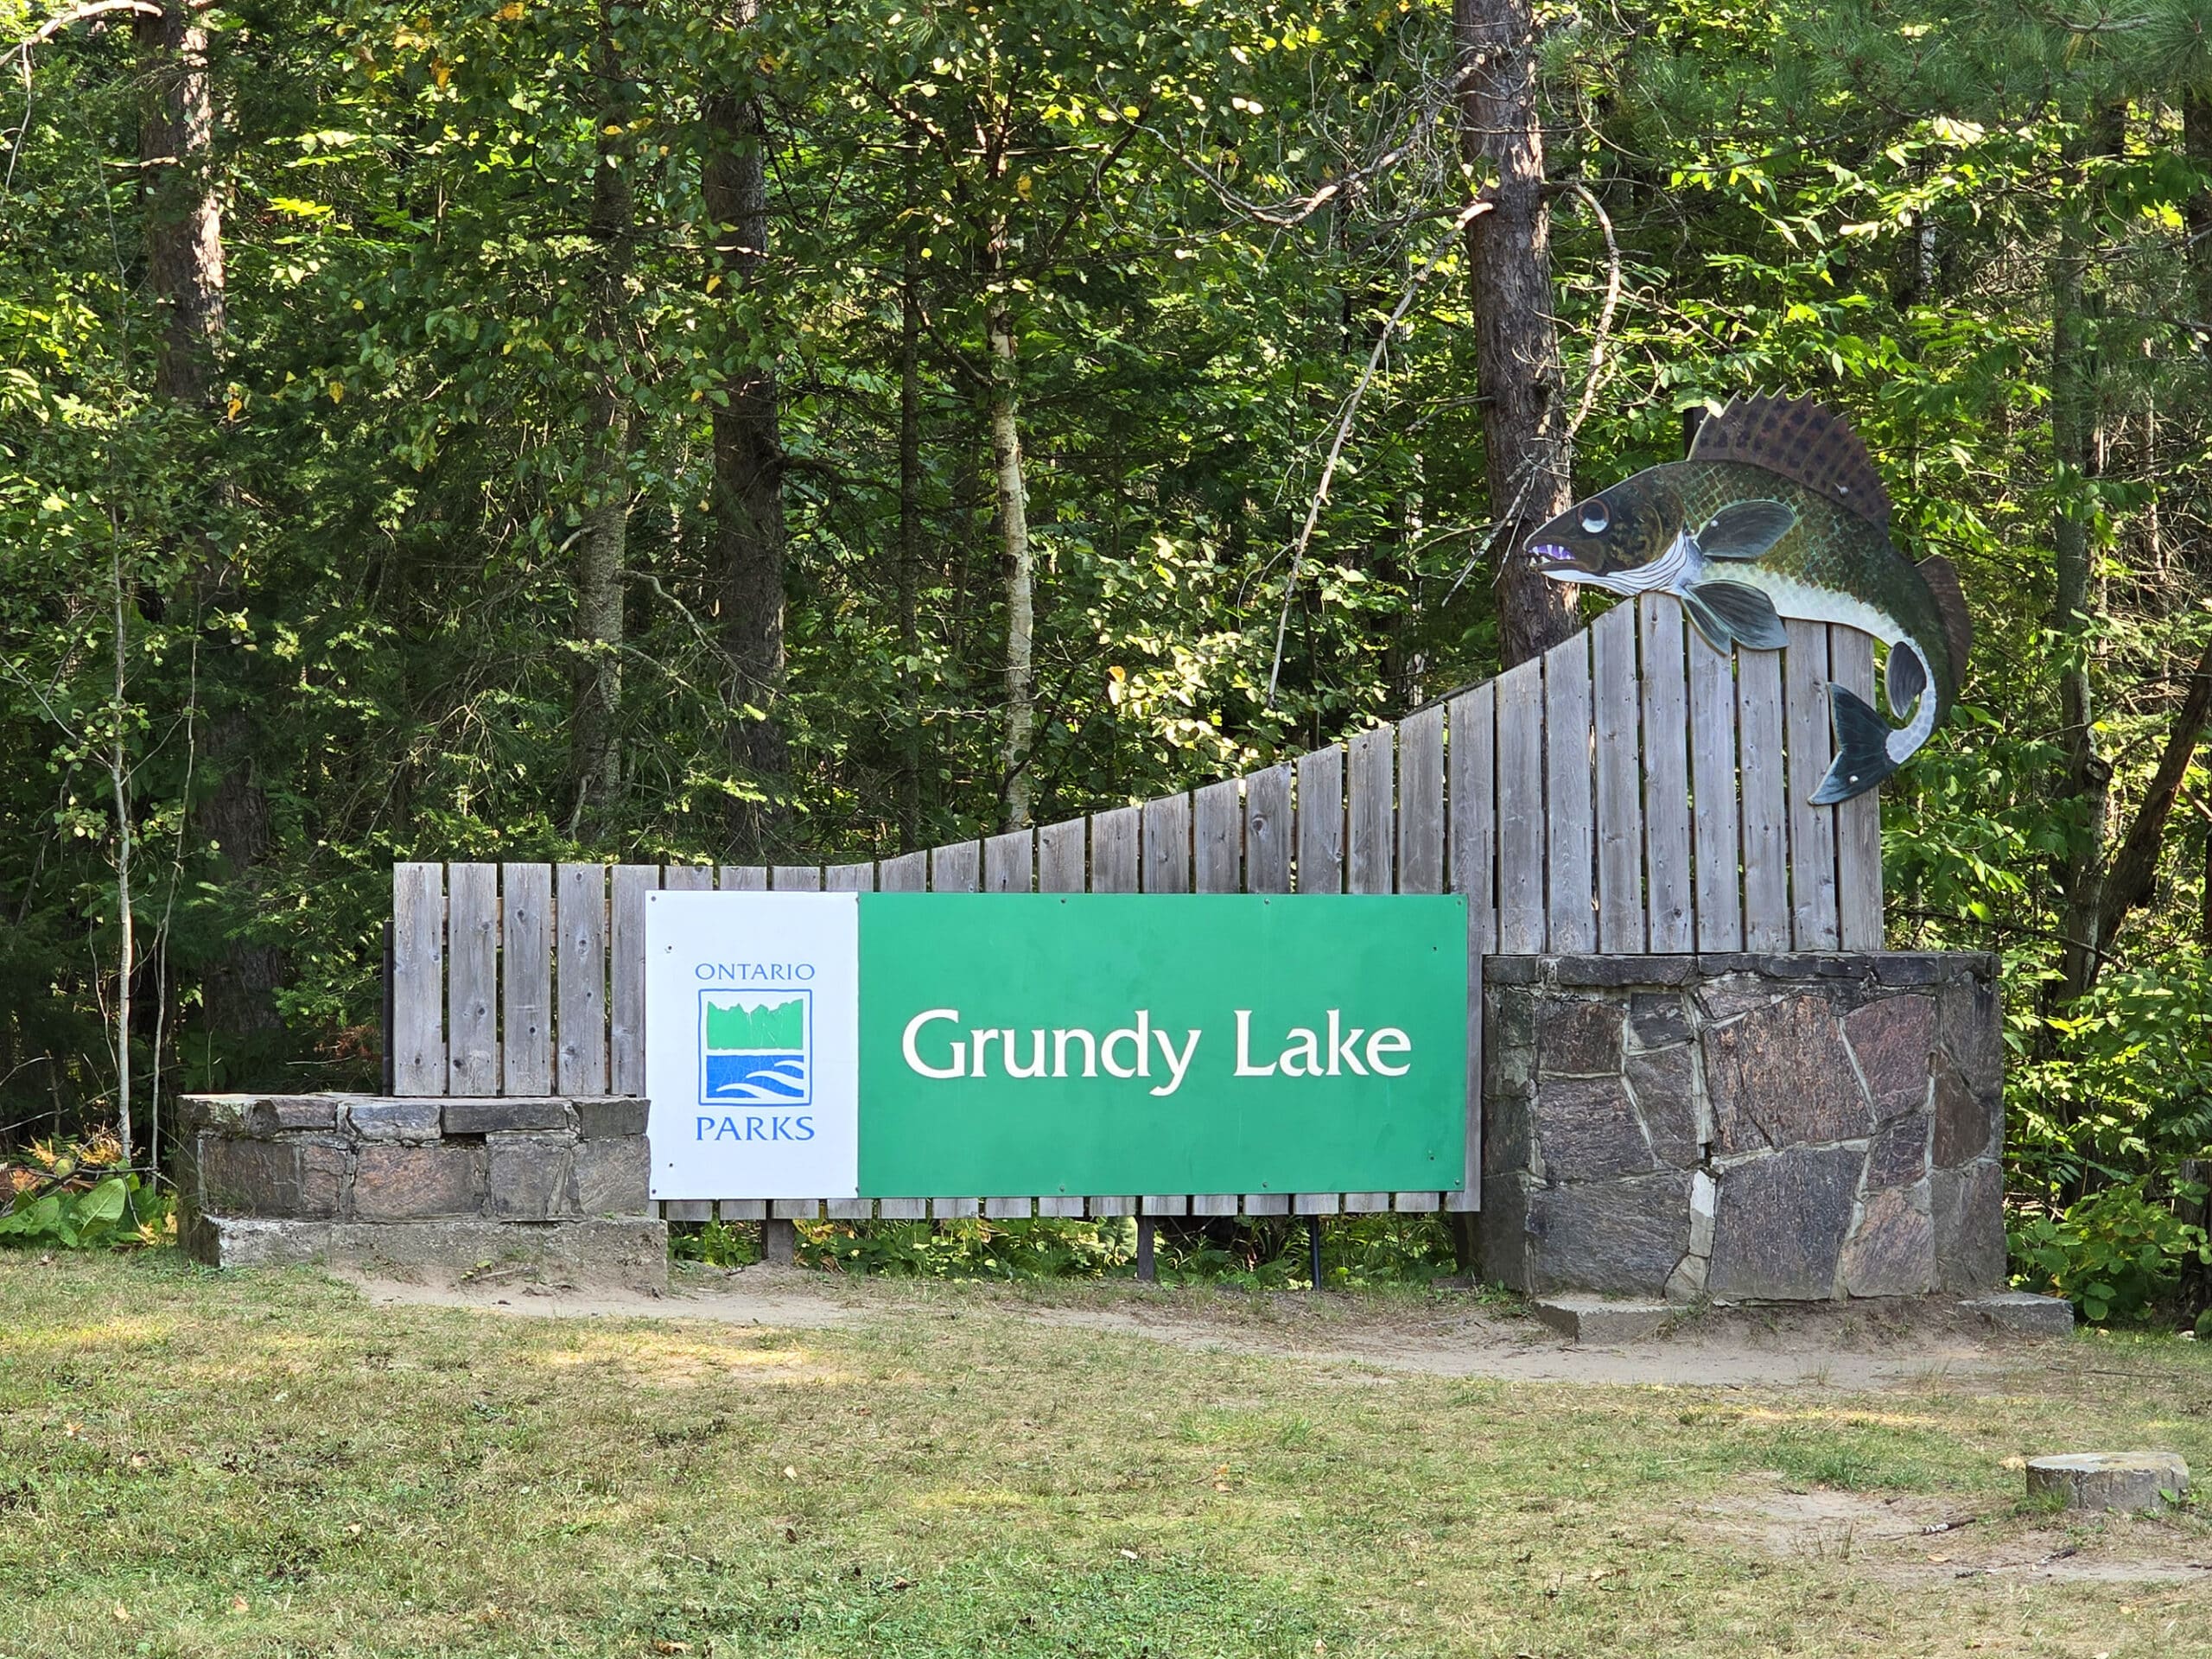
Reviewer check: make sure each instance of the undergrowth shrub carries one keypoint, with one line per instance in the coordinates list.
(2116, 1254)
(73, 1195)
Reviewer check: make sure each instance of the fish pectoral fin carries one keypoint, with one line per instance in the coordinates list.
(1746, 530)
(1862, 752)
(1715, 632)
(1746, 614)
(1907, 676)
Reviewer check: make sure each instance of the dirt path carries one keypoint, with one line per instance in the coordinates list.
(1849, 1348)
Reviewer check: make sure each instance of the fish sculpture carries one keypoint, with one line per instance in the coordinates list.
(1778, 512)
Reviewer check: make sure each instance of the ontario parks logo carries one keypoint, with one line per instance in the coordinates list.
(756, 1048)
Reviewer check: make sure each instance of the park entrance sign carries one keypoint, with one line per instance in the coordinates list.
(817, 1045)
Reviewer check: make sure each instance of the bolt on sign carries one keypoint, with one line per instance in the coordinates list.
(891, 1044)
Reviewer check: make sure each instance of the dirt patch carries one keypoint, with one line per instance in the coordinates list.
(1855, 1347)
(1911, 1540)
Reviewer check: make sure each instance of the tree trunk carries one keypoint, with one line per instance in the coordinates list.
(184, 212)
(2076, 458)
(1518, 376)
(2134, 870)
(1014, 542)
(596, 756)
(184, 273)
(747, 533)
(910, 547)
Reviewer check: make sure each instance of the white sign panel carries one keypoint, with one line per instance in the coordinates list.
(752, 1044)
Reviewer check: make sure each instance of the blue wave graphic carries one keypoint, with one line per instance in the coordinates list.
(765, 1077)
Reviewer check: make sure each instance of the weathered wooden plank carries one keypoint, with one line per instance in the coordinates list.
(1267, 1203)
(908, 872)
(472, 979)
(1417, 1203)
(1368, 810)
(1114, 850)
(1716, 821)
(1420, 801)
(1472, 765)
(850, 1208)
(688, 877)
(795, 1209)
(956, 868)
(1118, 1204)
(1366, 1203)
(1571, 914)
(1009, 1209)
(1009, 861)
(526, 979)
(848, 878)
(1060, 854)
(1213, 1203)
(1811, 829)
(1166, 839)
(1669, 915)
(687, 1210)
(1473, 770)
(1165, 1203)
(1766, 812)
(744, 878)
(795, 878)
(1060, 1204)
(742, 1209)
(954, 1209)
(1321, 821)
(1313, 1204)
(580, 978)
(1267, 830)
(1859, 820)
(625, 1027)
(1617, 795)
(903, 1208)
(418, 978)
(1218, 837)
(1521, 809)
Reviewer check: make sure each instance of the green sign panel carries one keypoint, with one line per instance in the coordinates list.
(1109, 1044)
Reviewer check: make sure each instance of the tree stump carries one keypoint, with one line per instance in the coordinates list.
(2110, 1480)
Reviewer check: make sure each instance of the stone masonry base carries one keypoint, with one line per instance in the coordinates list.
(454, 1186)
(1743, 1127)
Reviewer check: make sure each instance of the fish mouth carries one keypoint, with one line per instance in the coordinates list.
(1550, 556)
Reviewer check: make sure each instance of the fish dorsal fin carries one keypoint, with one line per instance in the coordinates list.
(1800, 439)
(1942, 579)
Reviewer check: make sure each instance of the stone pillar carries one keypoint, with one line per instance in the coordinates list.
(1743, 1127)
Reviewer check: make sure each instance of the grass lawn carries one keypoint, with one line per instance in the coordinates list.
(267, 1465)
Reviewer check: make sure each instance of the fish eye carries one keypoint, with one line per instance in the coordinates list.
(1595, 518)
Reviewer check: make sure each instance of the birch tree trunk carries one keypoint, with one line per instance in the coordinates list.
(910, 546)
(596, 754)
(1014, 542)
(747, 511)
(1527, 449)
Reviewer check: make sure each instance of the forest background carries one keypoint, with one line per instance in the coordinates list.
(546, 429)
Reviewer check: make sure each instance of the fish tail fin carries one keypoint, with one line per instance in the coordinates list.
(1862, 751)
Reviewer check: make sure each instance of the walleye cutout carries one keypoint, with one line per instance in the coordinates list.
(1778, 512)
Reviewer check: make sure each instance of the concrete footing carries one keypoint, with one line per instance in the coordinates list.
(1594, 1319)
(628, 1251)
(2110, 1480)
(2023, 1313)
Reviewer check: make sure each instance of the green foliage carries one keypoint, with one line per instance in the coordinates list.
(715, 1243)
(2115, 1254)
(112, 1212)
